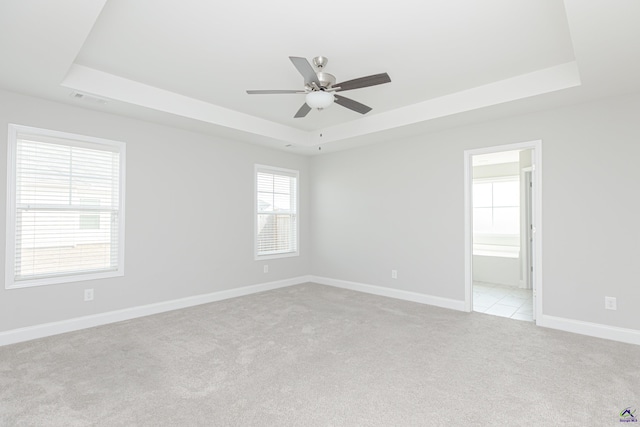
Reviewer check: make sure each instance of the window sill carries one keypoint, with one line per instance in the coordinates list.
(55, 280)
(277, 255)
(497, 251)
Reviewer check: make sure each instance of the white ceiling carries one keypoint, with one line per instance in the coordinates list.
(189, 63)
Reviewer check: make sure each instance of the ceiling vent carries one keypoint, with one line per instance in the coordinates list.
(88, 98)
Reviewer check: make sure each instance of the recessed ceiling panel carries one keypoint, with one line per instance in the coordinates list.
(215, 51)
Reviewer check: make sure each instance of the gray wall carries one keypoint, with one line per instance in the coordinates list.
(189, 215)
(501, 169)
(400, 205)
(396, 205)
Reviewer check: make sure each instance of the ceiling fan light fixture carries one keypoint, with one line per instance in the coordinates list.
(319, 99)
(320, 86)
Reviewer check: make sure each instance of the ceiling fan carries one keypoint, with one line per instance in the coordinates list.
(320, 87)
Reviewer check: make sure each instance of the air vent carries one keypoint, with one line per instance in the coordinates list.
(88, 98)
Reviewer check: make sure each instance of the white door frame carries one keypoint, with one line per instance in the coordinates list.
(526, 227)
(536, 157)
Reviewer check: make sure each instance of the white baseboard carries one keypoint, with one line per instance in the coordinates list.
(54, 328)
(392, 293)
(630, 336)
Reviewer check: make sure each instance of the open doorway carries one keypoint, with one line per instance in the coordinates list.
(502, 211)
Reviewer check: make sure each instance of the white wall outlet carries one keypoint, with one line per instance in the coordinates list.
(88, 294)
(265, 268)
(610, 303)
(394, 274)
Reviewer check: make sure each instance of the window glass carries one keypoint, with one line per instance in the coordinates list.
(496, 206)
(276, 212)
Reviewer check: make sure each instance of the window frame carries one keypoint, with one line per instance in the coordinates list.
(283, 172)
(14, 131)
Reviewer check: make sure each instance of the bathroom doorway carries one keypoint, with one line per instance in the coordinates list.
(502, 234)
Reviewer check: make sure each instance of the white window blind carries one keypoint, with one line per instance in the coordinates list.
(66, 207)
(276, 212)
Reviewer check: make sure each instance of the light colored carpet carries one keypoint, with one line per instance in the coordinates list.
(311, 355)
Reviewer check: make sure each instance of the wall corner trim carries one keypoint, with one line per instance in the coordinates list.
(54, 328)
(614, 333)
(392, 293)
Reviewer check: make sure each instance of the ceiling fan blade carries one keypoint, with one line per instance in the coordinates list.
(352, 105)
(271, 92)
(376, 79)
(305, 69)
(303, 111)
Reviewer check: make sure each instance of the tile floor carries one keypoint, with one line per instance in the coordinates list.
(501, 300)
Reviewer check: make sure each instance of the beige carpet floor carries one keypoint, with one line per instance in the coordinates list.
(312, 355)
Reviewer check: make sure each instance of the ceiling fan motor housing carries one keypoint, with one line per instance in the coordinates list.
(326, 80)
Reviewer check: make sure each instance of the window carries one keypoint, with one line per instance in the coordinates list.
(496, 217)
(65, 208)
(496, 206)
(276, 212)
